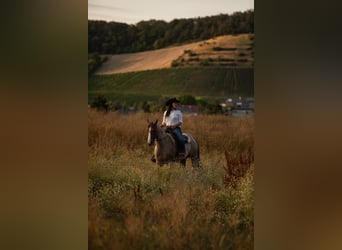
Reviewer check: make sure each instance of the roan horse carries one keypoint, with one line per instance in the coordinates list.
(165, 149)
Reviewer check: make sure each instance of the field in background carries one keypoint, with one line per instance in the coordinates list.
(140, 61)
(213, 69)
(226, 51)
(234, 51)
(135, 205)
(211, 82)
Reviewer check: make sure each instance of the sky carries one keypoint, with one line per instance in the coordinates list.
(134, 11)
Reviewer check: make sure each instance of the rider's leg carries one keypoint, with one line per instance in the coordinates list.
(180, 142)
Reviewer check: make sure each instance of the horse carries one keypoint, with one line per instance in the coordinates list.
(165, 149)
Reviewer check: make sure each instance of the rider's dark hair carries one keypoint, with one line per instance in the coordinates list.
(168, 111)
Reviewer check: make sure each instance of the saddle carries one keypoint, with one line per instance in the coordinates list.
(185, 136)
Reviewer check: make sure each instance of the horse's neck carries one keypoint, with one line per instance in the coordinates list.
(163, 137)
(161, 134)
(165, 145)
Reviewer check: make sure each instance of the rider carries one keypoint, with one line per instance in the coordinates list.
(173, 120)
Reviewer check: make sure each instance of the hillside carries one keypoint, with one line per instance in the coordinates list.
(154, 59)
(235, 51)
(150, 85)
(213, 69)
(119, 38)
(225, 51)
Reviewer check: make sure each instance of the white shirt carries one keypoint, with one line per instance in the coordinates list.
(174, 118)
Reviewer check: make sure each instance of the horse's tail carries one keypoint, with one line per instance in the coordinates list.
(198, 150)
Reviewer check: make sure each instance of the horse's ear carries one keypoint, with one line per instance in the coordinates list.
(155, 123)
(148, 121)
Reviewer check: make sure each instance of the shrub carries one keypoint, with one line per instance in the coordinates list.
(100, 103)
(187, 99)
(190, 52)
(222, 49)
(204, 62)
(174, 63)
(94, 62)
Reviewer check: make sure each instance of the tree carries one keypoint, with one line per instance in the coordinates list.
(146, 107)
(187, 99)
(100, 103)
(114, 38)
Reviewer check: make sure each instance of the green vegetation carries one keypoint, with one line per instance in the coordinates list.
(100, 103)
(94, 62)
(190, 52)
(223, 49)
(115, 38)
(210, 83)
(219, 50)
(187, 99)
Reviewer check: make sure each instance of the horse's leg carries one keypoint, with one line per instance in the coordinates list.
(186, 155)
(153, 158)
(183, 162)
(195, 158)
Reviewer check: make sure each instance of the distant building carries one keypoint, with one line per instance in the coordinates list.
(241, 112)
(230, 103)
(239, 106)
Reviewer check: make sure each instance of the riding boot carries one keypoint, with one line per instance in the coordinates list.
(181, 157)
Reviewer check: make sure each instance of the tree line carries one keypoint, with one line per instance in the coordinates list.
(206, 106)
(116, 38)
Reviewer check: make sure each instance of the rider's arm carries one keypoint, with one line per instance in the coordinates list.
(164, 120)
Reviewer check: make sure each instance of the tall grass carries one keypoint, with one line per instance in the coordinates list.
(133, 204)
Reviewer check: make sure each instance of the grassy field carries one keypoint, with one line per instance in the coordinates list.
(133, 204)
(149, 85)
(229, 50)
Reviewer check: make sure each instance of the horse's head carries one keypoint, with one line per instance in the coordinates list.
(152, 132)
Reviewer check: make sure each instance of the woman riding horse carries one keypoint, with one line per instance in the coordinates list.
(165, 146)
(173, 120)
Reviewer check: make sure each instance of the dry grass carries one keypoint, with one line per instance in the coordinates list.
(229, 50)
(237, 167)
(128, 132)
(154, 59)
(135, 205)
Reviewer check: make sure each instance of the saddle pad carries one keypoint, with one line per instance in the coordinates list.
(187, 138)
